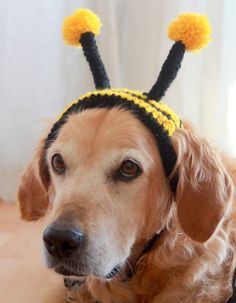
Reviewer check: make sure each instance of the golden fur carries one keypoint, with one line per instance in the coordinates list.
(194, 259)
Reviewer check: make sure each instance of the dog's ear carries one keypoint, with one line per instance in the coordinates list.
(34, 185)
(204, 190)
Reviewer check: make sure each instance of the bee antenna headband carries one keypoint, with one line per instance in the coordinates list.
(191, 32)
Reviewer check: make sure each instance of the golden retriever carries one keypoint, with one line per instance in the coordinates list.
(106, 194)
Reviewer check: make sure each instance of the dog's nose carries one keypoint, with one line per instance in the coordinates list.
(62, 243)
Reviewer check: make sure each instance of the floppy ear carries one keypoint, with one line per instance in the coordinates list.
(204, 190)
(33, 189)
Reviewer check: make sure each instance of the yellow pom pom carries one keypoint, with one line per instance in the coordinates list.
(81, 21)
(192, 29)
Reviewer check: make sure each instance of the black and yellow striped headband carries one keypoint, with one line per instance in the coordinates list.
(190, 32)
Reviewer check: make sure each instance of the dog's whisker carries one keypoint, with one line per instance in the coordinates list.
(130, 267)
(123, 274)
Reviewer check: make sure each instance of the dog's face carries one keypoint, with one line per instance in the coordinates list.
(102, 166)
(107, 191)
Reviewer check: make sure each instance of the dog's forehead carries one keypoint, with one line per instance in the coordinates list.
(99, 129)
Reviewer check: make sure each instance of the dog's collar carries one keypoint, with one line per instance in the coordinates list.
(74, 285)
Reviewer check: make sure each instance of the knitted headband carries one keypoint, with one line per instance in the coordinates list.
(191, 32)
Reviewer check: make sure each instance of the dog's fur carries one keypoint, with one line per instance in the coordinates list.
(194, 259)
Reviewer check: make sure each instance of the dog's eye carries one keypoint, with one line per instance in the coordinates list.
(58, 164)
(129, 169)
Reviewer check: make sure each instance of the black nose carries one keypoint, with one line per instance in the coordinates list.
(62, 243)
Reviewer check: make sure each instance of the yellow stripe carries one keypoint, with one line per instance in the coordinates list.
(132, 91)
(159, 105)
(66, 109)
(167, 124)
(163, 107)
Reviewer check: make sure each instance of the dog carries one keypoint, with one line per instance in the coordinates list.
(114, 224)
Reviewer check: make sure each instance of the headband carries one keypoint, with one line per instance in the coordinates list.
(191, 32)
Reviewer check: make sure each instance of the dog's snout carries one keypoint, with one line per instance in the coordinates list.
(62, 243)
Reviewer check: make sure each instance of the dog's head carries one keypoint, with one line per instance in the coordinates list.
(104, 182)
